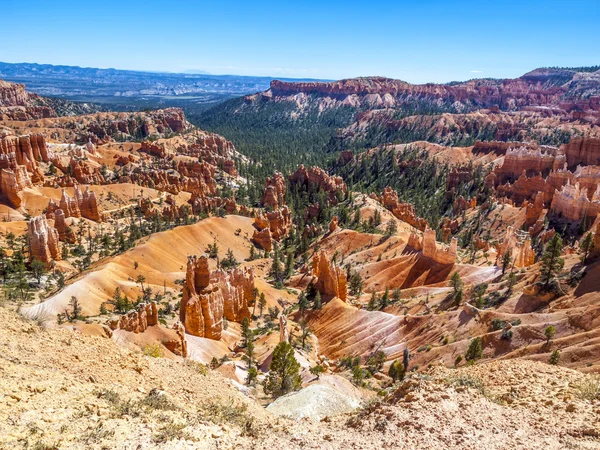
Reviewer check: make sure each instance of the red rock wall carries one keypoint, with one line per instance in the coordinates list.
(43, 241)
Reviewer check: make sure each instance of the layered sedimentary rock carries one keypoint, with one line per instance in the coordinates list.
(331, 279)
(525, 93)
(403, 211)
(518, 243)
(274, 194)
(18, 104)
(572, 203)
(582, 150)
(65, 234)
(333, 225)
(12, 182)
(500, 147)
(81, 205)
(43, 241)
(531, 162)
(138, 320)
(208, 297)
(333, 186)
(263, 239)
(237, 288)
(534, 210)
(430, 249)
(145, 316)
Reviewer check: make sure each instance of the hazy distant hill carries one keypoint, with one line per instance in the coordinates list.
(124, 89)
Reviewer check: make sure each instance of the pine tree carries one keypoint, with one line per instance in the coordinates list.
(506, 260)
(391, 228)
(552, 263)
(317, 305)
(372, 305)
(262, 302)
(246, 332)
(457, 287)
(302, 303)
(587, 245)
(385, 299)
(284, 371)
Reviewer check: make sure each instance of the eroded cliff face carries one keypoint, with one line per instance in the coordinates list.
(43, 241)
(428, 246)
(18, 104)
(331, 279)
(19, 165)
(210, 296)
(81, 205)
(275, 189)
(145, 316)
(582, 150)
(333, 186)
(518, 243)
(403, 211)
(528, 91)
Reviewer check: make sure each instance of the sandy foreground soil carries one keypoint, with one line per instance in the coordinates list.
(61, 389)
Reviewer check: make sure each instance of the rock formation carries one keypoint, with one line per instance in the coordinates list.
(18, 104)
(531, 162)
(274, 194)
(263, 239)
(585, 151)
(208, 297)
(331, 279)
(43, 241)
(81, 205)
(429, 248)
(333, 225)
(402, 211)
(145, 316)
(519, 244)
(137, 320)
(572, 203)
(333, 186)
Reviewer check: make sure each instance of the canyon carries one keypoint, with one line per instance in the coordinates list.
(423, 268)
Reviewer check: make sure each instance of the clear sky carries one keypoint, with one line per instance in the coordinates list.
(417, 41)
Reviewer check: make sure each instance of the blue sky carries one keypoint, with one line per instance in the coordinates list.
(417, 41)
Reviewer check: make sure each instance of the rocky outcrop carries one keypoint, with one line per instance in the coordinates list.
(237, 288)
(333, 186)
(534, 210)
(572, 203)
(582, 150)
(138, 320)
(43, 241)
(24, 151)
(274, 194)
(81, 205)
(18, 104)
(263, 239)
(531, 162)
(518, 243)
(429, 248)
(333, 225)
(208, 297)
(145, 316)
(402, 211)
(65, 234)
(88, 204)
(331, 279)
(12, 182)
